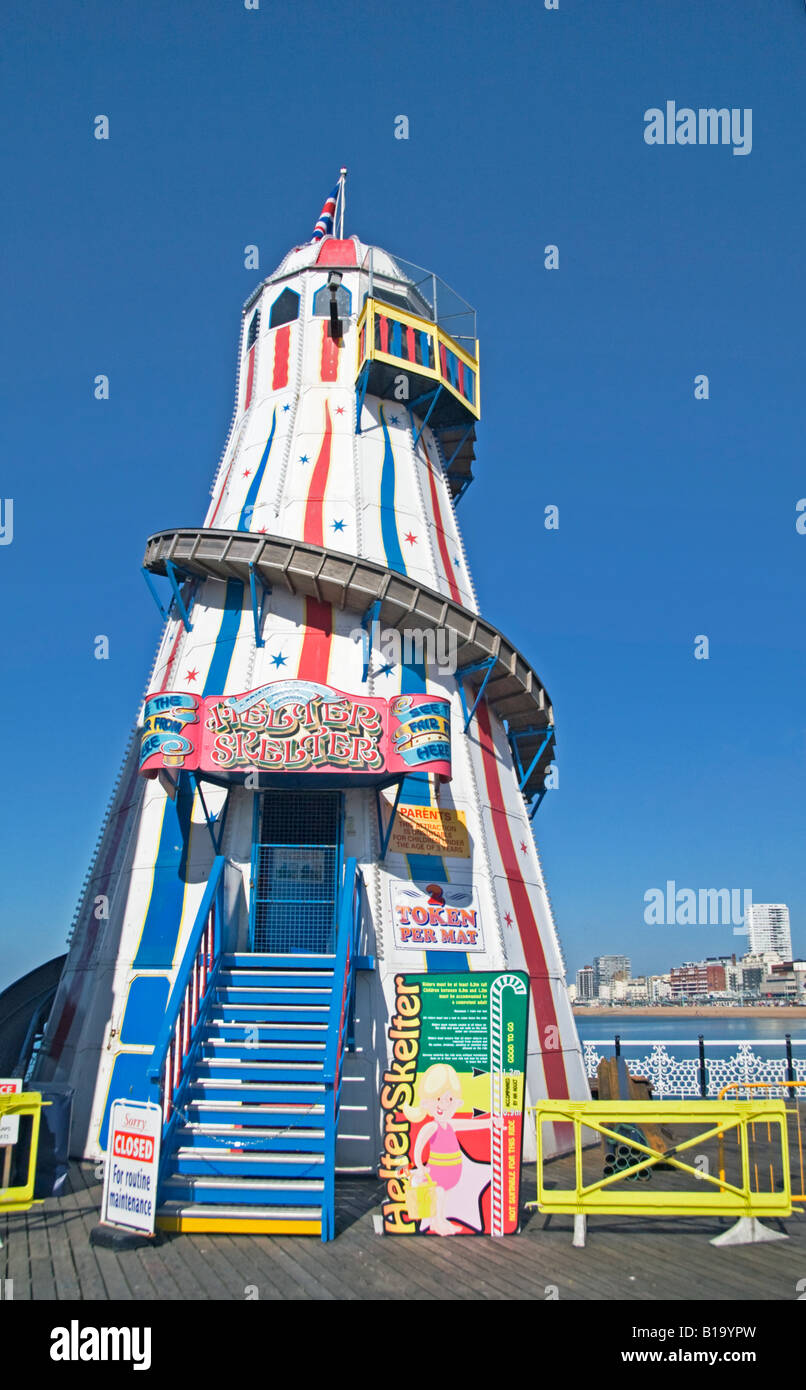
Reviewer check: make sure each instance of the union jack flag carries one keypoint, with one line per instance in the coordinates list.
(324, 226)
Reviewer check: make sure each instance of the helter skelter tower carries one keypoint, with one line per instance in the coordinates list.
(334, 771)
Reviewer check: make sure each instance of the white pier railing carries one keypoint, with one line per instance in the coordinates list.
(701, 1071)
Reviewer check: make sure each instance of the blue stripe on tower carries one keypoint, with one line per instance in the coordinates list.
(391, 540)
(251, 496)
(225, 641)
(161, 926)
(417, 792)
(158, 939)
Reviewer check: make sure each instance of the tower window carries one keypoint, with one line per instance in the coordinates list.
(285, 309)
(252, 332)
(321, 303)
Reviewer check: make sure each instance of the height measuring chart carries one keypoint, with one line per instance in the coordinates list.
(452, 1104)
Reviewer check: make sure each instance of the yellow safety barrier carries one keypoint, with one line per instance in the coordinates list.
(712, 1195)
(23, 1103)
(792, 1112)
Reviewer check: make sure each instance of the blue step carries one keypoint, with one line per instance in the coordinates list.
(208, 1068)
(217, 1112)
(269, 1013)
(260, 995)
(241, 1054)
(268, 978)
(290, 1093)
(247, 1165)
(279, 993)
(222, 1136)
(302, 1192)
(241, 960)
(253, 1034)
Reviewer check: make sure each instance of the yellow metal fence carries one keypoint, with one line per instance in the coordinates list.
(794, 1130)
(696, 1169)
(22, 1104)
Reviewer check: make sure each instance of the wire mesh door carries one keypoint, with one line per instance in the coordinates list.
(295, 867)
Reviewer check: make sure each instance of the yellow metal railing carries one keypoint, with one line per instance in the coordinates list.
(425, 350)
(23, 1103)
(794, 1111)
(713, 1195)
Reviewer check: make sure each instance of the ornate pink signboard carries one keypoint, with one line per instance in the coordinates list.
(294, 726)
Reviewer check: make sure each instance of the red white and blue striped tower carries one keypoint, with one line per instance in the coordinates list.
(330, 560)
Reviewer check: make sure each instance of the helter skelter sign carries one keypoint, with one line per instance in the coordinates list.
(295, 726)
(452, 1104)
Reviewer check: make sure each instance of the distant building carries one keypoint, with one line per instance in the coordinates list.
(659, 988)
(586, 984)
(780, 984)
(696, 980)
(606, 969)
(768, 929)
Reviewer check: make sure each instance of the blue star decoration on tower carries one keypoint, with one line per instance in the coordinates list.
(385, 670)
(338, 525)
(303, 458)
(278, 661)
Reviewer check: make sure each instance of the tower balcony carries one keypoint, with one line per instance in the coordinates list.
(442, 377)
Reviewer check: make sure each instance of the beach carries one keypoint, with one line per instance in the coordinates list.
(793, 1011)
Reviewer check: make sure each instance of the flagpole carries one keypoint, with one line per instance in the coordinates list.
(342, 182)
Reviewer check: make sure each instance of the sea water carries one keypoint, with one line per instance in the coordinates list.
(721, 1035)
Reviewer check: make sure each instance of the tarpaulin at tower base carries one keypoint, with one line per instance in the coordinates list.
(452, 1104)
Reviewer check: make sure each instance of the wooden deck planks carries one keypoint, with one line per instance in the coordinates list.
(47, 1254)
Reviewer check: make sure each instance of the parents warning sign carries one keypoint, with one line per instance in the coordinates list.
(132, 1164)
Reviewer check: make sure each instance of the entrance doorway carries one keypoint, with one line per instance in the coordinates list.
(296, 868)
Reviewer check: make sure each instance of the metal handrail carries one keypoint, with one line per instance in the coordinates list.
(195, 978)
(343, 969)
(339, 1028)
(689, 1042)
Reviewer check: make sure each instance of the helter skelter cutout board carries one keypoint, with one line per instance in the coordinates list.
(452, 1104)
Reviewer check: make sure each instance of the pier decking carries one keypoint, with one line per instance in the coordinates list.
(47, 1254)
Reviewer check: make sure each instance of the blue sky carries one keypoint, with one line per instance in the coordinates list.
(677, 516)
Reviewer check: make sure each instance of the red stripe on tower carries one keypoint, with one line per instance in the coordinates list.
(316, 644)
(442, 541)
(282, 340)
(542, 997)
(330, 354)
(314, 524)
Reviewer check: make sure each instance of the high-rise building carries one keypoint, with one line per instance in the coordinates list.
(586, 983)
(606, 969)
(768, 929)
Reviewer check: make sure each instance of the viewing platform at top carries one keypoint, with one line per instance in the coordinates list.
(417, 346)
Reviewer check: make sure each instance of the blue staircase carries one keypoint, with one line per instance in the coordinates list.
(251, 1111)
(252, 1151)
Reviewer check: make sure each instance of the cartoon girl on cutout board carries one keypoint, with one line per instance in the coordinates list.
(440, 1096)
